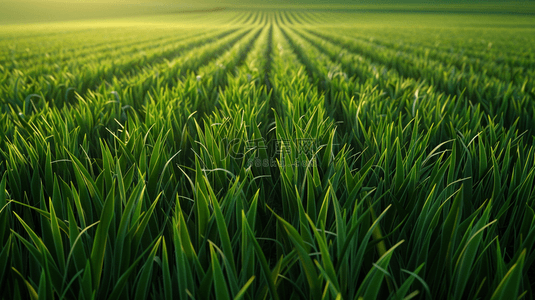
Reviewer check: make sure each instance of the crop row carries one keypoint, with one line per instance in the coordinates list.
(271, 158)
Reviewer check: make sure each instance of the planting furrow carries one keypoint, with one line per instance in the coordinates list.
(196, 91)
(296, 18)
(248, 19)
(391, 84)
(134, 90)
(74, 62)
(321, 17)
(288, 17)
(310, 67)
(514, 57)
(239, 19)
(214, 77)
(265, 18)
(249, 75)
(316, 72)
(301, 19)
(335, 80)
(499, 99)
(48, 87)
(373, 103)
(259, 19)
(262, 21)
(353, 64)
(73, 42)
(307, 18)
(276, 20)
(198, 58)
(517, 72)
(297, 97)
(275, 14)
(63, 48)
(133, 46)
(518, 48)
(506, 74)
(269, 59)
(255, 19)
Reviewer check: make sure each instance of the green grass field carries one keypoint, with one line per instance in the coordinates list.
(268, 151)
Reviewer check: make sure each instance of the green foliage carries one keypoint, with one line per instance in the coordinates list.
(168, 161)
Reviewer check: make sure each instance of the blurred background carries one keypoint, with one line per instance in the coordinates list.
(37, 11)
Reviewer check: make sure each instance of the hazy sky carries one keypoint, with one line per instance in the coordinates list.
(31, 11)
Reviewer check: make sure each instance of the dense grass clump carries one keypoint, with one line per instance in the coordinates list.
(269, 154)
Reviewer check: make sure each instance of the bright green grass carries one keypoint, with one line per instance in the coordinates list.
(269, 153)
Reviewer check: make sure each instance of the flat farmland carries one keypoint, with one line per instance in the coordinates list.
(270, 152)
